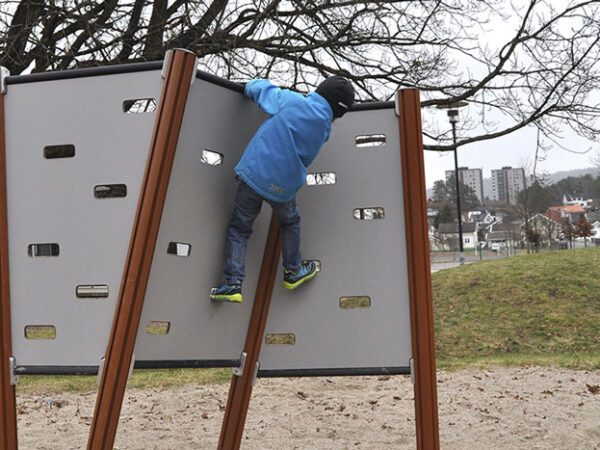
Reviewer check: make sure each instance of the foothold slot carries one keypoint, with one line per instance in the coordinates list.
(91, 291)
(321, 178)
(179, 249)
(369, 213)
(59, 151)
(370, 140)
(158, 327)
(280, 339)
(139, 106)
(211, 158)
(317, 263)
(35, 250)
(40, 332)
(362, 301)
(110, 190)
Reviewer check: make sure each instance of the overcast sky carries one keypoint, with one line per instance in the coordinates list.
(515, 149)
(512, 150)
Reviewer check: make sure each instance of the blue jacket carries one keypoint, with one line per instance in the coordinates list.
(274, 162)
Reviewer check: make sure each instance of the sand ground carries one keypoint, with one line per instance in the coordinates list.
(500, 408)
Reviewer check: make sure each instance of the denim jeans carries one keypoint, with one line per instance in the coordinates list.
(245, 209)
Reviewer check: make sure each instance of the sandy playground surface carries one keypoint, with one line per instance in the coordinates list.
(501, 408)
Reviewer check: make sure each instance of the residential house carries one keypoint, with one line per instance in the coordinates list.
(448, 235)
(431, 215)
(572, 200)
(509, 234)
(572, 212)
(548, 226)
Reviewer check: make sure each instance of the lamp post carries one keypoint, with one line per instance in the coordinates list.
(453, 117)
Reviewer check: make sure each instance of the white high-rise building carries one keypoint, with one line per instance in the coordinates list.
(469, 177)
(507, 183)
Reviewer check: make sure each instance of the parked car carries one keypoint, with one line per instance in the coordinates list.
(497, 246)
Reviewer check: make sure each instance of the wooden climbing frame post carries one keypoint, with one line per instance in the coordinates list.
(8, 412)
(179, 70)
(408, 109)
(240, 390)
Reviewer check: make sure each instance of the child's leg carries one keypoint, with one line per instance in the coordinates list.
(246, 207)
(288, 216)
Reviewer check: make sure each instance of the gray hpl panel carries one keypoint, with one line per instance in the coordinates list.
(358, 258)
(53, 201)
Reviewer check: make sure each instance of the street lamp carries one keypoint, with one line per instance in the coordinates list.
(453, 118)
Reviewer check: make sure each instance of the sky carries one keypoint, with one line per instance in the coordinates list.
(512, 150)
(516, 149)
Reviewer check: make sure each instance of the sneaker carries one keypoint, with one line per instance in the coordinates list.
(227, 293)
(291, 280)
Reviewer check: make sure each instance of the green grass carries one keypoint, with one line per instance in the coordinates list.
(539, 309)
(139, 379)
(532, 309)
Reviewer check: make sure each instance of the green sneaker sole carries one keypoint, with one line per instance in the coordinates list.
(235, 298)
(290, 286)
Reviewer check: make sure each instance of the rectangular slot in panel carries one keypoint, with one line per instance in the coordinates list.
(321, 178)
(211, 158)
(354, 302)
(369, 213)
(370, 140)
(59, 151)
(110, 191)
(139, 106)
(179, 249)
(158, 327)
(35, 250)
(280, 339)
(40, 332)
(91, 291)
(317, 263)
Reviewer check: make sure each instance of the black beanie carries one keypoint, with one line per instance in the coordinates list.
(338, 92)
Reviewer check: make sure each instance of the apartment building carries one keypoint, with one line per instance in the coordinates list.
(507, 183)
(469, 177)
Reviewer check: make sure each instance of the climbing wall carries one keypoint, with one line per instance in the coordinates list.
(77, 146)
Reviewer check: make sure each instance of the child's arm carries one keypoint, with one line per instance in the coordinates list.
(270, 98)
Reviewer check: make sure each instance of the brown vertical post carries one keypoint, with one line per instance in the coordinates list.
(419, 272)
(8, 412)
(180, 68)
(241, 386)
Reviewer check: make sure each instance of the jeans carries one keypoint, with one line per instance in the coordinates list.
(245, 209)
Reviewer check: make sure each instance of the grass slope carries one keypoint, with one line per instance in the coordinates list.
(533, 309)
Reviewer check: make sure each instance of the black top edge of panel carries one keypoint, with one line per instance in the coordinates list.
(154, 65)
(341, 372)
(84, 72)
(370, 106)
(223, 82)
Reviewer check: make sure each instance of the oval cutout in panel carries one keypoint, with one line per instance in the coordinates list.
(354, 302)
(373, 213)
(110, 191)
(179, 249)
(40, 332)
(139, 106)
(158, 327)
(211, 158)
(370, 140)
(36, 250)
(91, 291)
(280, 339)
(321, 178)
(59, 151)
